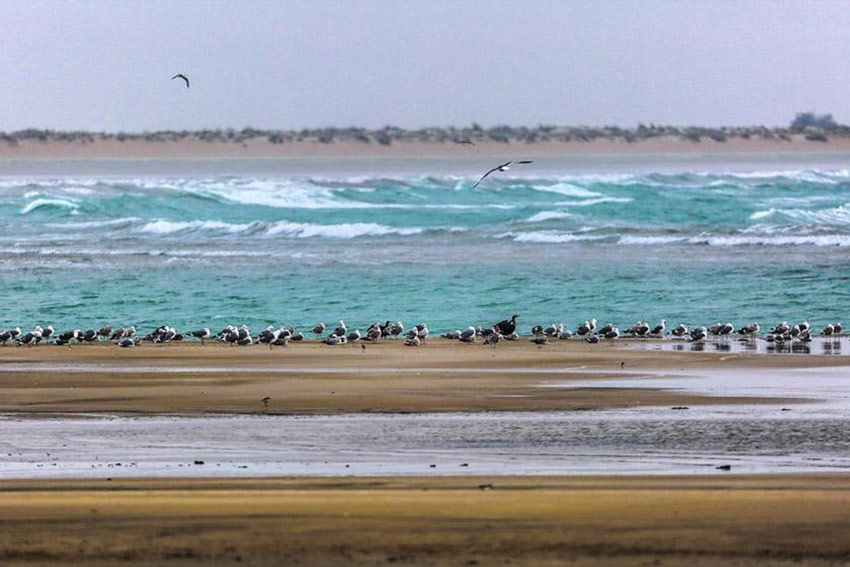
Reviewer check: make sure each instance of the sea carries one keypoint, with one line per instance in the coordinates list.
(293, 241)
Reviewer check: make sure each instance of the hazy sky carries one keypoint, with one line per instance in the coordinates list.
(107, 65)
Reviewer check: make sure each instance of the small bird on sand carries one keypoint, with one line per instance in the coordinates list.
(181, 76)
(504, 167)
(266, 401)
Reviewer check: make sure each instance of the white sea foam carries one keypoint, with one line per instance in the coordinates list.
(163, 227)
(281, 228)
(344, 231)
(553, 237)
(567, 189)
(649, 240)
(599, 201)
(763, 214)
(837, 240)
(549, 215)
(113, 223)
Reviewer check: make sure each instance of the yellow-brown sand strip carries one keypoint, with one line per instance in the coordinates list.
(387, 377)
(717, 520)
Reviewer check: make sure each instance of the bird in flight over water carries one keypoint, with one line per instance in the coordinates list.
(504, 167)
(181, 76)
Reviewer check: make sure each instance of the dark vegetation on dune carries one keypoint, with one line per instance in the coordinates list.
(811, 126)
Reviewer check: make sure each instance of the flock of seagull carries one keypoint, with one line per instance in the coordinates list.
(506, 330)
(781, 333)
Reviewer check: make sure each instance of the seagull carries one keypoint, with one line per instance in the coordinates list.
(341, 330)
(374, 334)
(780, 329)
(467, 335)
(354, 336)
(504, 167)
(202, 334)
(319, 329)
(605, 330)
(506, 327)
(553, 330)
(69, 336)
(464, 141)
(493, 338)
(586, 327)
(698, 334)
(612, 334)
(181, 76)
(397, 329)
(659, 329)
(422, 331)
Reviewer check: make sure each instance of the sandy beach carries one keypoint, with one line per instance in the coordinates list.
(312, 378)
(262, 148)
(743, 521)
(433, 520)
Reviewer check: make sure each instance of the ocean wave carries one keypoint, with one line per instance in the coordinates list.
(836, 216)
(45, 203)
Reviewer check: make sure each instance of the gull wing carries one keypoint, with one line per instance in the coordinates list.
(497, 168)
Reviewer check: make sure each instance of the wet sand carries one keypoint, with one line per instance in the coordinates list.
(311, 378)
(584, 521)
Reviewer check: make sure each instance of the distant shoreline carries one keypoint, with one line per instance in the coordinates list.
(354, 143)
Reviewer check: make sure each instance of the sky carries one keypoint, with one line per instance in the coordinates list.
(107, 65)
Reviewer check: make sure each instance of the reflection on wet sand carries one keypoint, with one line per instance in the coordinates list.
(818, 346)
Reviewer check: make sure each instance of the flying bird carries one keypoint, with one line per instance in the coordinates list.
(504, 167)
(464, 142)
(181, 76)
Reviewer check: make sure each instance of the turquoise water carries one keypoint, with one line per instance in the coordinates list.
(281, 245)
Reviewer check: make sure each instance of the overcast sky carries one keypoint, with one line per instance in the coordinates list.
(107, 65)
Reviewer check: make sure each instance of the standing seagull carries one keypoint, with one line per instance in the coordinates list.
(181, 76)
(504, 167)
